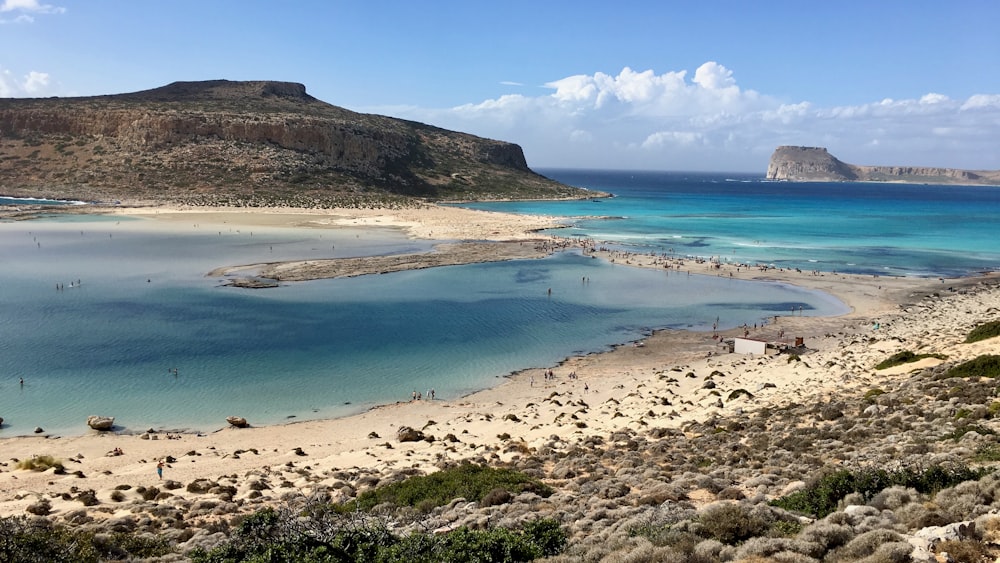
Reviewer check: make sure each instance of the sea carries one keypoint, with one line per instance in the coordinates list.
(116, 316)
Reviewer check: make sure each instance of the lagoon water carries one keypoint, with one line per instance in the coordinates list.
(332, 347)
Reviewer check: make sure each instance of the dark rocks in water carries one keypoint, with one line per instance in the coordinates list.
(253, 283)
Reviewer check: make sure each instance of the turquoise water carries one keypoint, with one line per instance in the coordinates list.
(887, 229)
(137, 304)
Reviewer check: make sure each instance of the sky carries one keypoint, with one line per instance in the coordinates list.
(699, 85)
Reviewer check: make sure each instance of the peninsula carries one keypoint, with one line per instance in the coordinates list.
(248, 144)
(815, 164)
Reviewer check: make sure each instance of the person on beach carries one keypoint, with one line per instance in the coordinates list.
(159, 469)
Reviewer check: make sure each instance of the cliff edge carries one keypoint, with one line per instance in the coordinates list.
(250, 143)
(815, 164)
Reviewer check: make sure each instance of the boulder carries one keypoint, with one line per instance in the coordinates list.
(101, 422)
(237, 421)
(1, 421)
(407, 434)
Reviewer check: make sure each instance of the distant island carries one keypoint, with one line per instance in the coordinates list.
(248, 144)
(815, 164)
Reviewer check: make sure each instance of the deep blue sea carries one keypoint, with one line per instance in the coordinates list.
(868, 228)
(144, 306)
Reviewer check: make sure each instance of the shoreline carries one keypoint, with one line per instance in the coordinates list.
(633, 386)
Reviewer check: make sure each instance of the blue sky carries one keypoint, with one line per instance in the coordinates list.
(652, 85)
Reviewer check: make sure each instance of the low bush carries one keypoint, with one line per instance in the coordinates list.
(983, 331)
(905, 357)
(278, 537)
(983, 366)
(22, 539)
(41, 463)
(820, 497)
(469, 481)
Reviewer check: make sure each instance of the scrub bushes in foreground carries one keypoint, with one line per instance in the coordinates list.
(23, 540)
(469, 481)
(278, 537)
(820, 498)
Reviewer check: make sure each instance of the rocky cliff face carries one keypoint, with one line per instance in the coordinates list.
(815, 164)
(245, 140)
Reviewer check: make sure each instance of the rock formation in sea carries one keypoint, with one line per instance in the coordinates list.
(259, 143)
(100, 422)
(816, 164)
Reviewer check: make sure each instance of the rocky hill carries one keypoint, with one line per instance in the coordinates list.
(815, 164)
(247, 143)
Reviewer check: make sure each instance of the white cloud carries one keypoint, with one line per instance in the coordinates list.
(30, 6)
(667, 121)
(32, 84)
(982, 101)
(933, 98)
(24, 8)
(714, 76)
(35, 82)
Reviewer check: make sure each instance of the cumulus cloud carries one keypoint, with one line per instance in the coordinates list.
(668, 121)
(23, 10)
(32, 84)
(30, 6)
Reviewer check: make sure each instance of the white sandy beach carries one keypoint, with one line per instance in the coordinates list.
(660, 383)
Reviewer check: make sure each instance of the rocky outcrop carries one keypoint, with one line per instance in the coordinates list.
(264, 139)
(100, 422)
(815, 164)
(237, 421)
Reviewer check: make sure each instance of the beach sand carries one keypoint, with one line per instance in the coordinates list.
(659, 382)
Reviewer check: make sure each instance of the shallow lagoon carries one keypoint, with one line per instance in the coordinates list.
(306, 350)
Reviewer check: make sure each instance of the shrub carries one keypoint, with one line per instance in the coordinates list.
(875, 545)
(41, 463)
(983, 366)
(988, 452)
(739, 393)
(904, 357)
(964, 429)
(273, 536)
(983, 331)
(964, 550)
(468, 481)
(731, 523)
(820, 498)
(33, 540)
(871, 394)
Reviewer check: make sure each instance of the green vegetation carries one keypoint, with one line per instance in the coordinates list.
(983, 366)
(872, 394)
(41, 463)
(906, 357)
(964, 429)
(820, 498)
(983, 331)
(22, 539)
(274, 537)
(987, 453)
(468, 481)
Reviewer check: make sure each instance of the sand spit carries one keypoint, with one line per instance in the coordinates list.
(674, 418)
